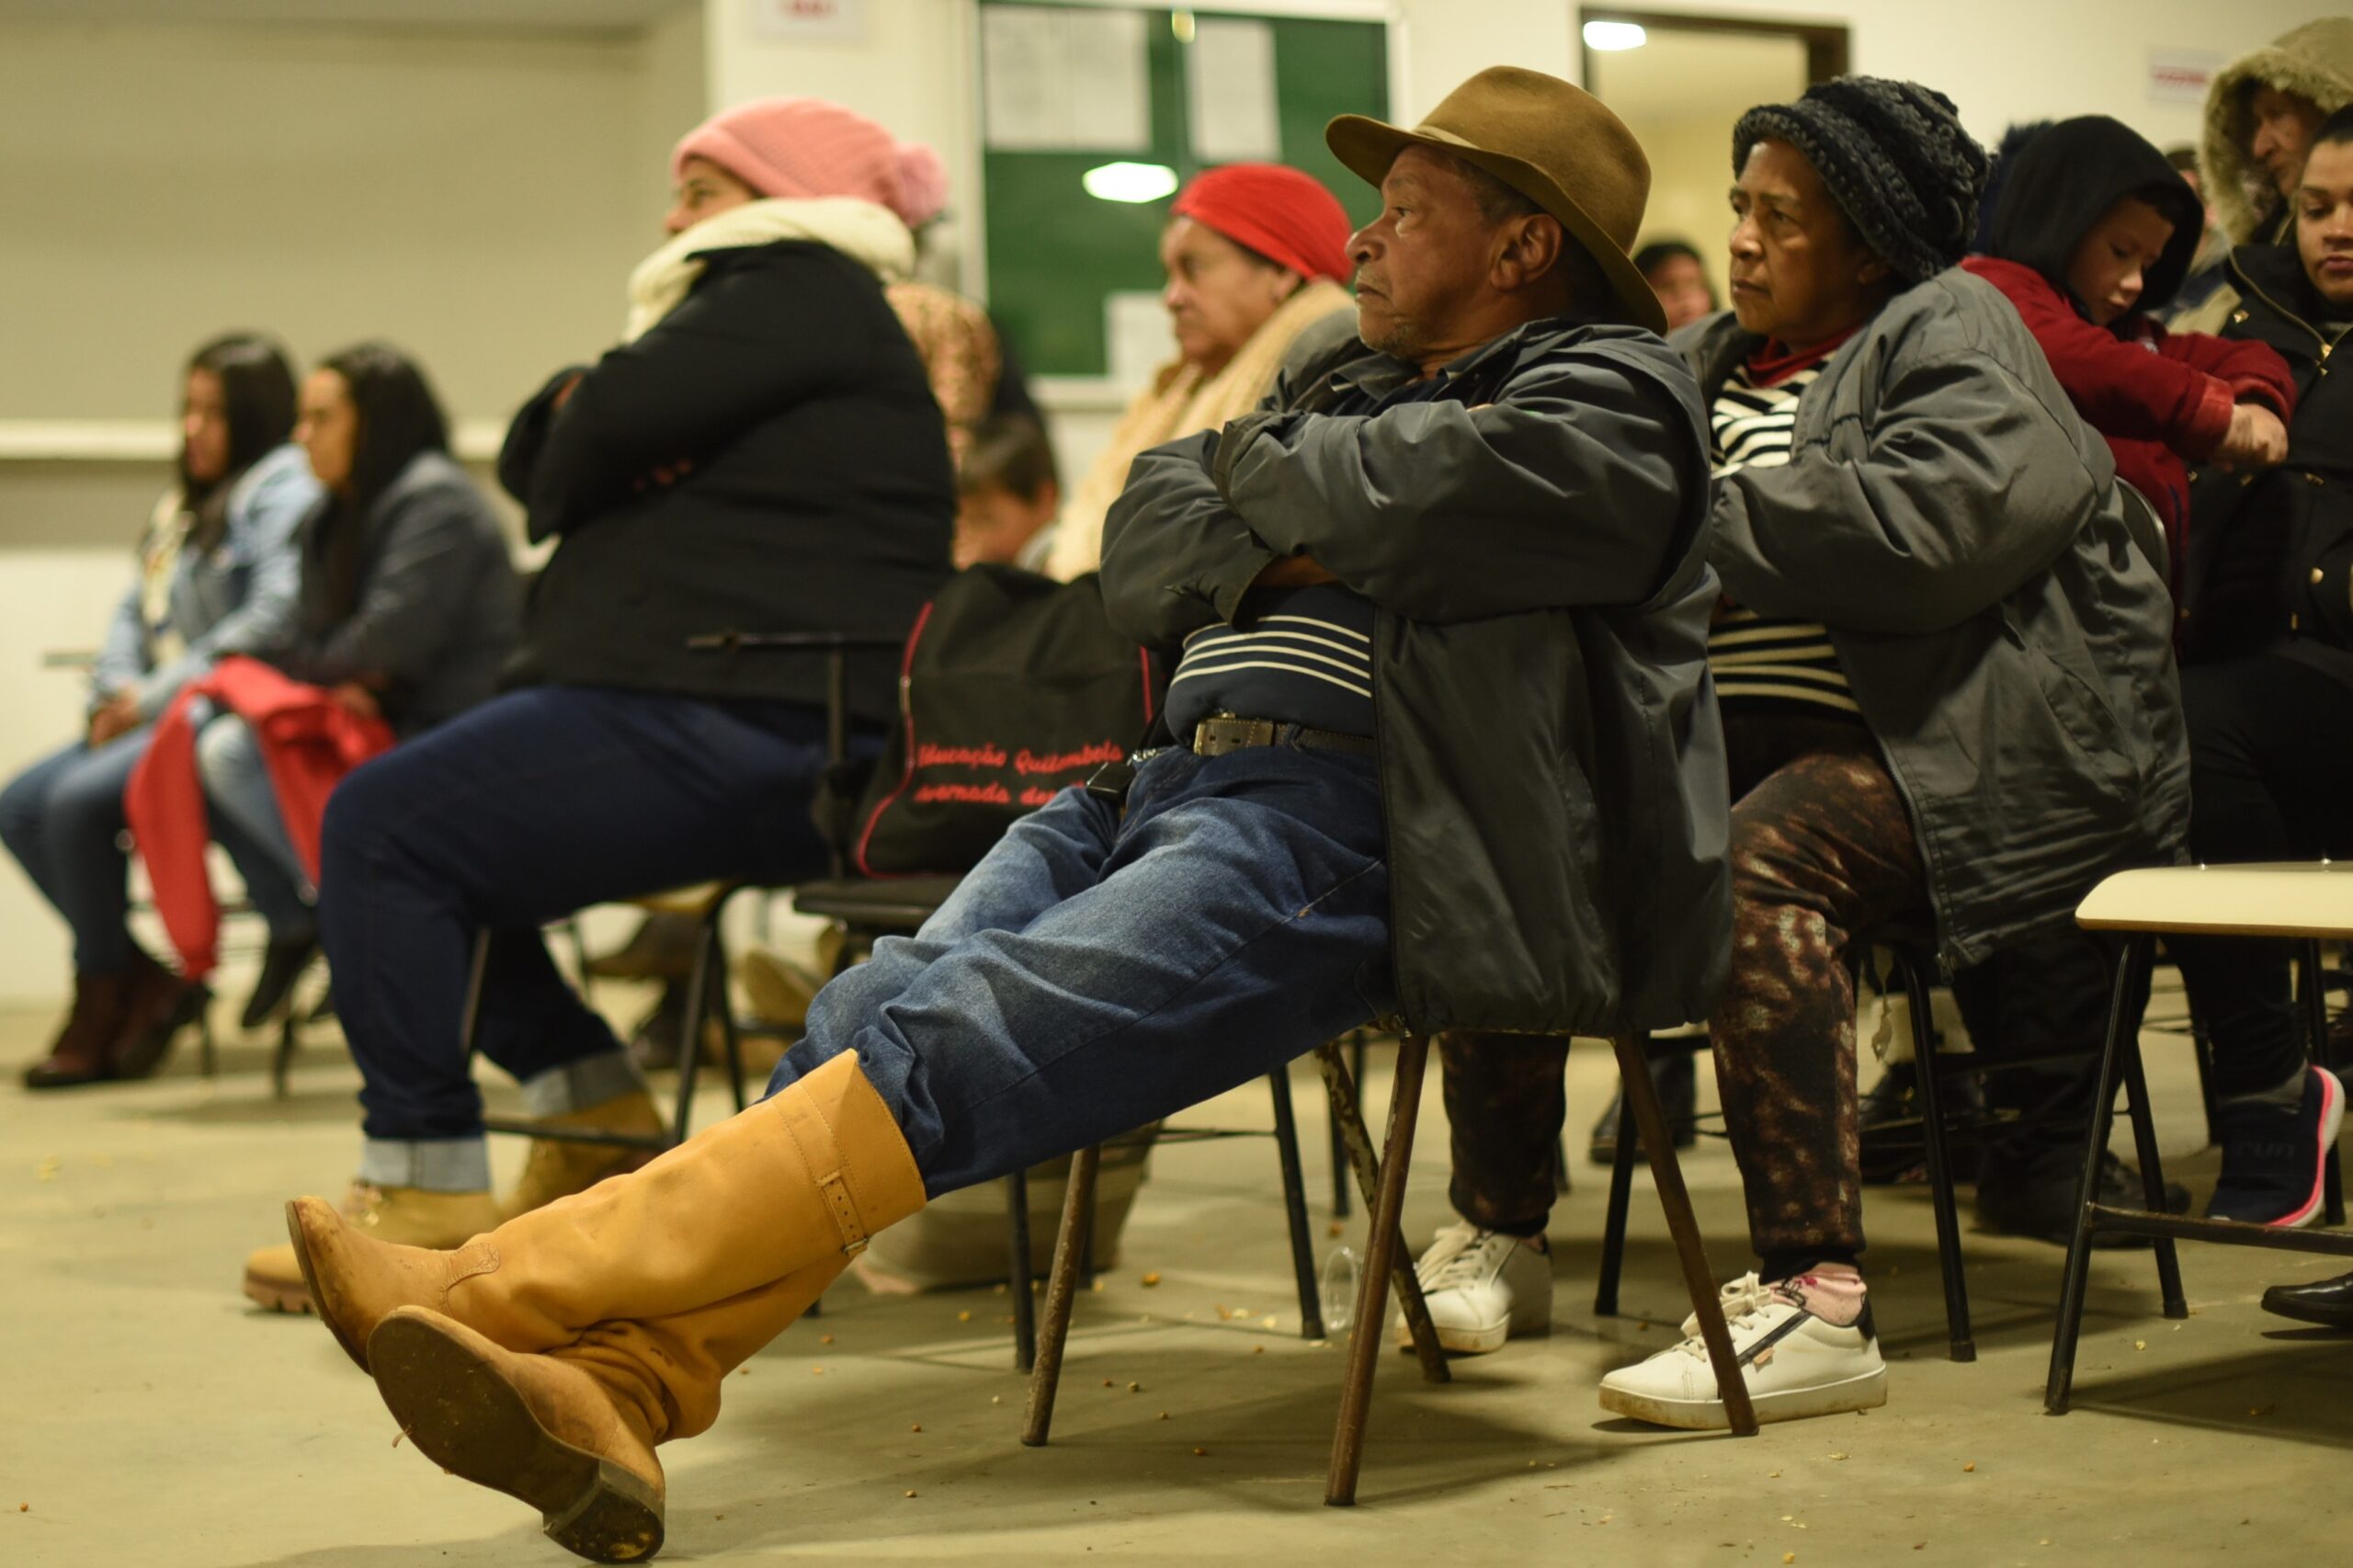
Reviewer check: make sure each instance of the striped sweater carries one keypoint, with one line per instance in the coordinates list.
(1760, 662)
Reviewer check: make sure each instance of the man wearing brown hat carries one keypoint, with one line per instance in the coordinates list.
(1444, 606)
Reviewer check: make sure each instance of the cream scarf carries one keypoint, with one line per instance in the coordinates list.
(859, 230)
(1180, 401)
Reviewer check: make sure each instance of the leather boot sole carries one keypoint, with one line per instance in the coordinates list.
(453, 1405)
(302, 1239)
(41, 1075)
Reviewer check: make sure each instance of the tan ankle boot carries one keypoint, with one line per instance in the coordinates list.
(558, 1168)
(402, 1216)
(796, 1183)
(539, 1428)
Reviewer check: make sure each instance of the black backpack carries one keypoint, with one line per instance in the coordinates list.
(1012, 687)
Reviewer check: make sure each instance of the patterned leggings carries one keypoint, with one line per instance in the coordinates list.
(1822, 855)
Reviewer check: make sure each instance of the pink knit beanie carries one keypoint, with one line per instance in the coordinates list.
(799, 148)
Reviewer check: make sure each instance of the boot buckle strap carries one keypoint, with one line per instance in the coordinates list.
(846, 1216)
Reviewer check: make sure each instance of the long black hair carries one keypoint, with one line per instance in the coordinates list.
(258, 396)
(399, 420)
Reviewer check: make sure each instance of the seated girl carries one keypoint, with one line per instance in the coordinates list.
(218, 576)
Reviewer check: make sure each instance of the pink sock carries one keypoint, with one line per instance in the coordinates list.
(1831, 1291)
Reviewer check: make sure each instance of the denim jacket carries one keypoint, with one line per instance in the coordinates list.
(237, 598)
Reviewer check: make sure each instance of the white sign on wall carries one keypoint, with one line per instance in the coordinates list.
(2181, 75)
(843, 20)
(1230, 77)
(1057, 78)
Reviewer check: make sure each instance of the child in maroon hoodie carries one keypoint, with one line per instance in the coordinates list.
(2091, 234)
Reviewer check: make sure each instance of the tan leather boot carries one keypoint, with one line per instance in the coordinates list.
(642, 1295)
(404, 1216)
(536, 1427)
(558, 1168)
(797, 1181)
(572, 1431)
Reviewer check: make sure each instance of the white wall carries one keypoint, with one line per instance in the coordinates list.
(477, 198)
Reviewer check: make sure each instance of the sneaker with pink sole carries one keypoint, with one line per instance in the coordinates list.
(2275, 1161)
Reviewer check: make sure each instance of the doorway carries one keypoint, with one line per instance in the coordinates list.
(1681, 82)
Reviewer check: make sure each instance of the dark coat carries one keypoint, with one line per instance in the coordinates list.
(1956, 526)
(1552, 763)
(437, 612)
(816, 495)
(2271, 553)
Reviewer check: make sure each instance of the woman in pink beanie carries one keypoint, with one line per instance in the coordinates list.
(797, 148)
(761, 451)
(800, 148)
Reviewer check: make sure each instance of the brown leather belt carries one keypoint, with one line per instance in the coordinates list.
(1215, 737)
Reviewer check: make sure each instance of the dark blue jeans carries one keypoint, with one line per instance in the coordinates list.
(1093, 974)
(525, 809)
(62, 818)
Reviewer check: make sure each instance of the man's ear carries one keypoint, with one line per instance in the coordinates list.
(1873, 272)
(1528, 251)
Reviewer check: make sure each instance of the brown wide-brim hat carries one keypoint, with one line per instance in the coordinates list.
(1553, 142)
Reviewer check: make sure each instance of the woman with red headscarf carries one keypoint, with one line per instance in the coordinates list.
(1255, 254)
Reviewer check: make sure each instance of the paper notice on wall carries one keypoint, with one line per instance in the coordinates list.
(1230, 81)
(1056, 79)
(844, 20)
(2181, 75)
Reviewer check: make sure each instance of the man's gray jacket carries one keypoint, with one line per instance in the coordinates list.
(1532, 533)
(1955, 525)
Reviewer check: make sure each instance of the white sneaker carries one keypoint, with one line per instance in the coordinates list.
(1483, 1287)
(1796, 1365)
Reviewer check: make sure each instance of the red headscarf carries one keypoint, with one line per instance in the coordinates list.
(1284, 215)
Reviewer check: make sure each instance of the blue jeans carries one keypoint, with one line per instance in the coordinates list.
(243, 805)
(62, 818)
(1093, 974)
(512, 814)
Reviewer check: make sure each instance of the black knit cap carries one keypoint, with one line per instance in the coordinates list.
(1893, 156)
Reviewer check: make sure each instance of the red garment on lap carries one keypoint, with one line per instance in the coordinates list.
(308, 740)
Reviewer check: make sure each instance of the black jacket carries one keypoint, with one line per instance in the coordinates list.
(1551, 764)
(2270, 560)
(816, 495)
(437, 602)
(1957, 528)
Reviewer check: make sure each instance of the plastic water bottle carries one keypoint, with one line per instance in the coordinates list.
(1341, 1277)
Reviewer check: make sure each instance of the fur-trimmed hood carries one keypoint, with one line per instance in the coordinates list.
(2314, 62)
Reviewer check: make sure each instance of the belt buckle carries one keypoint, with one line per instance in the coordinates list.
(1224, 732)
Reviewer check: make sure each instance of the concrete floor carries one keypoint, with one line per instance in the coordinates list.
(149, 1416)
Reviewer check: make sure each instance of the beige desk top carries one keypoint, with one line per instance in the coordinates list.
(2299, 898)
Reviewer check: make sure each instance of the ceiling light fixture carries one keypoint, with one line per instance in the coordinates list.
(1128, 182)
